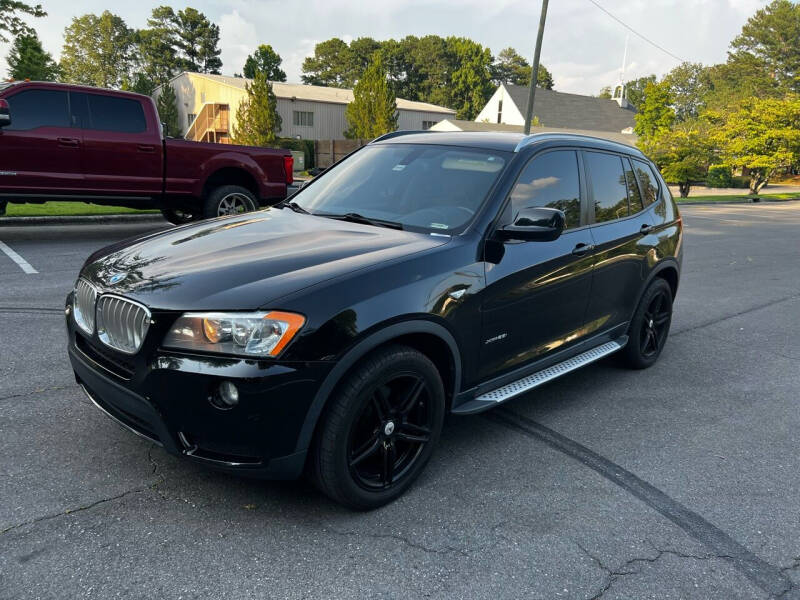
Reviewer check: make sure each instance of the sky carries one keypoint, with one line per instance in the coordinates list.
(583, 47)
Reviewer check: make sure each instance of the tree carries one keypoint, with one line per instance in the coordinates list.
(257, 120)
(329, 65)
(761, 135)
(655, 115)
(198, 40)
(682, 153)
(28, 60)
(373, 110)
(11, 22)
(167, 105)
(266, 60)
(97, 51)
(636, 89)
(470, 83)
(511, 67)
(605, 92)
(157, 50)
(689, 84)
(772, 37)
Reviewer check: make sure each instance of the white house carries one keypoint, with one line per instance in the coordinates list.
(458, 125)
(508, 104)
(207, 107)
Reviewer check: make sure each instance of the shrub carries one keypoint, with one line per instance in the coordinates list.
(740, 181)
(305, 146)
(719, 176)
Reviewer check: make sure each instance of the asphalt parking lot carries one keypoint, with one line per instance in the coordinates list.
(682, 481)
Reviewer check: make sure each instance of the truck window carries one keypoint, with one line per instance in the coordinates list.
(109, 113)
(38, 108)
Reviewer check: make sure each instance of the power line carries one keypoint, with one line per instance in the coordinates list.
(632, 30)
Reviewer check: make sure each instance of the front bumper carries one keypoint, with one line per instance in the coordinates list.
(163, 396)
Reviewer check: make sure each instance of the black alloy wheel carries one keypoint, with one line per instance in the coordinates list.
(650, 326)
(379, 429)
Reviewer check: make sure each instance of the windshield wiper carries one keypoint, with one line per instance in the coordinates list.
(293, 205)
(353, 217)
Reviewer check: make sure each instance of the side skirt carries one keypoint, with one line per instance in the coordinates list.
(520, 386)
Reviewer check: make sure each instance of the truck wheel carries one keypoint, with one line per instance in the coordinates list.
(379, 429)
(177, 216)
(3, 205)
(229, 200)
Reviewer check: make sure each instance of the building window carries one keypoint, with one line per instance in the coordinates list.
(303, 118)
(500, 111)
(190, 117)
(428, 124)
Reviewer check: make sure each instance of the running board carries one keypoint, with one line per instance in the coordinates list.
(529, 382)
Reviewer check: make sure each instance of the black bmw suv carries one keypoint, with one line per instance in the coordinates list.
(426, 273)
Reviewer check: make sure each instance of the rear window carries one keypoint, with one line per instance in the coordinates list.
(648, 181)
(634, 196)
(609, 187)
(32, 109)
(109, 113)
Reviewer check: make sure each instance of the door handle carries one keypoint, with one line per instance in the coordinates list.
(68, 142)
(146, 148)
(582, 249)
(645, 229)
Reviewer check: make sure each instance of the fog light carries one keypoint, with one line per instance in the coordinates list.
(225, 396)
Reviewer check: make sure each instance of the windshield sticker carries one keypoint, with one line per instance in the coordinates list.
(439, 226)
(398, 167)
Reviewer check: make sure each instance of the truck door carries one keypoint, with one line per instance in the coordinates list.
(40, 152)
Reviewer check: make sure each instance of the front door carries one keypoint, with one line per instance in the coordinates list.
(537, 292)
(40, 153)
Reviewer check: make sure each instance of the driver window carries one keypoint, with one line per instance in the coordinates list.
(550, 180)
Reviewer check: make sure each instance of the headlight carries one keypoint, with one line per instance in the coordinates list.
(247, 334)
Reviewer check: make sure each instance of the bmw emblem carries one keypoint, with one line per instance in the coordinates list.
(116, 278)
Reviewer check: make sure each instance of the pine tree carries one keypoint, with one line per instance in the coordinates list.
(28, 60)
(257, 120)
(266, 60)
(373, 110)
(167, 105)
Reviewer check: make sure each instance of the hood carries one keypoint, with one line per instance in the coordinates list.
(244, 262)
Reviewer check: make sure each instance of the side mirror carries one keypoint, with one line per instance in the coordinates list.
(535, 224)
(5, 113)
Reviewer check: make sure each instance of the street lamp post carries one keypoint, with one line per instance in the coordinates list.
(535, 69)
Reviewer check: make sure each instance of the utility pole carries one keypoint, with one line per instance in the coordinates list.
(535, 72)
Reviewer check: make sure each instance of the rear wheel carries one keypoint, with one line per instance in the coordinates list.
(650, 326)
(177, 216)
(229, 200)
(380, 429)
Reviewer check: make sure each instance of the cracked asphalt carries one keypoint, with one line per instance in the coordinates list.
(677, 482)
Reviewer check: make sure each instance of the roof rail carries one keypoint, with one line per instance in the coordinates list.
(529, 139)
(394, 134)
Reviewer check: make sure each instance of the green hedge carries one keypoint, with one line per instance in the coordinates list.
(740, 181)
(719, 176)
(306, 146)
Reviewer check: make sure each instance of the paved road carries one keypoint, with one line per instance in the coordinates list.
(677, 482)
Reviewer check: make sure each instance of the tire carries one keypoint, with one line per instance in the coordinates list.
(177, 216)
(649, 328)
(361, 456)
(229, 200)
(3, 205)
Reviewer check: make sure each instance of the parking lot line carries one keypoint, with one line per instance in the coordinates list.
(21, 262)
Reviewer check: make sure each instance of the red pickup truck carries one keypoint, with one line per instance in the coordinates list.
(66, 142)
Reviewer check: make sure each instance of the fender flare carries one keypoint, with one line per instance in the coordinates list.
(664, 264)
(357, 352)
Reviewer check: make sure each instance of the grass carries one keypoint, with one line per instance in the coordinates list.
(735, 198)
(68, 209)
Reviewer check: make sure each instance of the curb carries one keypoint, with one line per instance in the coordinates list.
(81, 220)
(739, 201)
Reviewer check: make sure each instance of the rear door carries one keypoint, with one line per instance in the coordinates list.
(40, 152)
(621, 232)
(537, 292)
(122, 147)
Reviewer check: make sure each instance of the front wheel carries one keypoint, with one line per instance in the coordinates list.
(650, 326)
(229, 200)
(380, 429)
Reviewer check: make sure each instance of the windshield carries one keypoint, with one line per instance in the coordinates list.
(420, 186)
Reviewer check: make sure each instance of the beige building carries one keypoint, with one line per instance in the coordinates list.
(207, 107)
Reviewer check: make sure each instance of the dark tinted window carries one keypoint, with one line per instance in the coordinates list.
(550, 180)
(79, 107)
(38, 108)
(634, 196)
(648, 181)
(609, 189)
(109, 113)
